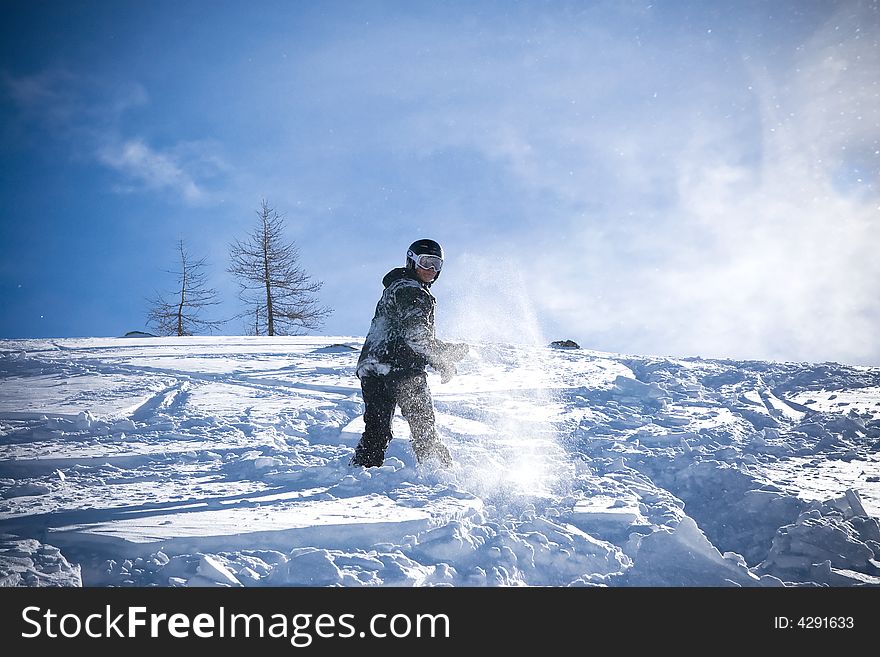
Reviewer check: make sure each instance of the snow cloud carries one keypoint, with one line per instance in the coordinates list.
(765, 254)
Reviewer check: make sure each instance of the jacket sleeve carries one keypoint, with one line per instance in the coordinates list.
(417, 326)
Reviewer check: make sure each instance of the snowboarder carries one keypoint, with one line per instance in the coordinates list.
(399, 346)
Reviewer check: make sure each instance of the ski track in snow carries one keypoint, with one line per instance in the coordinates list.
(223, 461)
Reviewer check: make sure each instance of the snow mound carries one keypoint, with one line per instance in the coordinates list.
(27, 562)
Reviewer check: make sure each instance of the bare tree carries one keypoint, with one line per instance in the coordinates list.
(179, 313)
(280, 296)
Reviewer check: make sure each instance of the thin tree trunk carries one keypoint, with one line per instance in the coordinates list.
(268, 278)
(183, 285)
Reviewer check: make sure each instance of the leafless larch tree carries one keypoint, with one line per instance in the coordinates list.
(179, 313)
(281, 298)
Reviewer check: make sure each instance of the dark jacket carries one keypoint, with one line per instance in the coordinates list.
(401, 337)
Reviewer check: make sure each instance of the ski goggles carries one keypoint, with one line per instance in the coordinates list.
(427, 261)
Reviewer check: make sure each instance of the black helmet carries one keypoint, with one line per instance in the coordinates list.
(425, 248)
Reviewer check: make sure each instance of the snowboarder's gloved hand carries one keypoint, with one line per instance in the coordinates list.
(457, 351)
(447, 371)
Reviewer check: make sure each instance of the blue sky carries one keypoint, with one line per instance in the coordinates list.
(676, 178)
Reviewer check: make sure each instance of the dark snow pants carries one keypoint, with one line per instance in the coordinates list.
(382, 394)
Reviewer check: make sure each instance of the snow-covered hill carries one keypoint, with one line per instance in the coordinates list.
(224, 461)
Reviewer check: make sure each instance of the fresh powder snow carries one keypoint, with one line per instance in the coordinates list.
(224, 461)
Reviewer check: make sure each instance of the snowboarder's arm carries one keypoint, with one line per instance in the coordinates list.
(416, 315)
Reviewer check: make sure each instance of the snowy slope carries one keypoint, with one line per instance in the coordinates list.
(224, 461)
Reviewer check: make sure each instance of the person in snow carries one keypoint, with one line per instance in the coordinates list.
(392, 366)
